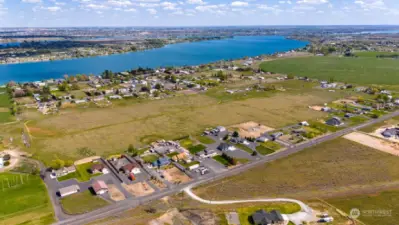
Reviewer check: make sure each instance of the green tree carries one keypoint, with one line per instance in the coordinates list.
(57, 164)
(236, 134)
(46, 90)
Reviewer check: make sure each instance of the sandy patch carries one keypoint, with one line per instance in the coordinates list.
(345, 101)
(174, 175)
(373, 142)
(316, 107)
(251, 129)
(4, 110)
(86, 160)
(139, 189)
(170, 217)
(115, 193)
(15, 158)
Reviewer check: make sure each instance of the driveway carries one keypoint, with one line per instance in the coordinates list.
(306, 213)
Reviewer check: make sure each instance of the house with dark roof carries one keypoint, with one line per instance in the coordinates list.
(164, 161)
(131, 168)
(99, 168)
(224, 147)
(390, 132)
(261, 217)
(335, 121)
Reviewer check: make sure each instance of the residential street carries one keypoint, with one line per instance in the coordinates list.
(133, 202)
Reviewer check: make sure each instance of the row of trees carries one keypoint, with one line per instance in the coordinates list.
(229, 159)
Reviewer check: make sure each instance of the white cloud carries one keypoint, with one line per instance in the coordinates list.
(120, 3)
(32, 1)
(239, 4)
(152, 11)
(312, 2)
(196, 2)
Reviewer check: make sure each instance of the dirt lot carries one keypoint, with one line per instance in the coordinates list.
(105, 130)
(139, 189)
(345, 101)
(325, 170)
(174, 175)
(373, 142)
(251, 129)
(115, 193)
(316, 107)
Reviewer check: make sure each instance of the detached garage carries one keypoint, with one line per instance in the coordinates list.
(65, 191)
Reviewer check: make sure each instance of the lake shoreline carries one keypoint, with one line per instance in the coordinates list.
(180, 54)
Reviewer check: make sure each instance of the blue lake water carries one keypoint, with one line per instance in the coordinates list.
(172, 55)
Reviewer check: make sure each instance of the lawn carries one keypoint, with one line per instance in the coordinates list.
(245, 148)
(106, 130)
(196, 148)
(386, 201)
(24, 198)
(82, 173)
(221, 160)
(316, 171)
(271, 145)
(245, 213)
(264, 150)
(362, 70)
(150, 158)
(374, 54)
(6, 117)
(82, 202)
(205, 140)
(186, 143)
(4, 100)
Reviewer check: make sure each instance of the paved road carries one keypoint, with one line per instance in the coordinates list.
(131, 203)
(305, 214)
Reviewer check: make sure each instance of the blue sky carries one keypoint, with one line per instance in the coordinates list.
(45, 13)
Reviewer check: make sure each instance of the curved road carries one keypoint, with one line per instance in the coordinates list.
(306, 213)
(127, 204)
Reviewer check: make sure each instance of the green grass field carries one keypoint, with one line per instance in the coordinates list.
(245, 148)
(186, 143)
(362, 70)
(24, 198)
(327, 168)
(221, 160)
(150, 158)
(264, 150)
(4, 100)
(369, 205)
(205, 140)
(196, 148)
(374, 54)
(82, 202)
(6, 117)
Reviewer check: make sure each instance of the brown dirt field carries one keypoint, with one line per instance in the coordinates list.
(345, 101)
(251, 129)
(316, 107)
(325, 170)
(115, 193)
(374, 142)
(106, 130)
(139, 189)
(4, 110)
(174, 175)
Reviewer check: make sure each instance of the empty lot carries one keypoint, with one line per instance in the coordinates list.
(324, 170)
(110, 130)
